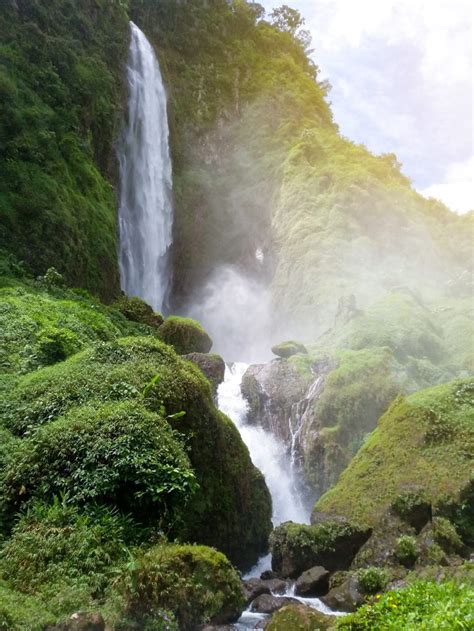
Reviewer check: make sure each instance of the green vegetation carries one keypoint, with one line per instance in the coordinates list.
(136, 310)
(372, 579)
(61, 104)
(405, 550)
(196, 583)
(425, 440)
(118, 454)
(422, 606)
(41, 326)
(231, 508)
(185, 335)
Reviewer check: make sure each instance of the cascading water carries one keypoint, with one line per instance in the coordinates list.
(145, 211)
(267, 453)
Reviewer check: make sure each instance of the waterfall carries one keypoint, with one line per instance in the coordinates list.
(267, 453)
(145, 209)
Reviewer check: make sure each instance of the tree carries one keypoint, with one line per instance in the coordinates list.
(290, 21)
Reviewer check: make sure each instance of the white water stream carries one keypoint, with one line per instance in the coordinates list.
(145, 210)
(267, 453)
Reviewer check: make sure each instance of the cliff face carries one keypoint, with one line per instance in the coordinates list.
(62, 94)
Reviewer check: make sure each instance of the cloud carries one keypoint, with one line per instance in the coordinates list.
(457, 188)
(401, 75)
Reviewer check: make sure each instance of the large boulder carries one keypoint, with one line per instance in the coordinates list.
(272, 391)
(185, 335)
(181, 578)
(137, 310)
(420, 455)
(313, 582)
(296, 548)
(212, 366)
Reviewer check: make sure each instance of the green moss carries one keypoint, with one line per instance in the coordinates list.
(300, 618)
(424, 441)
(232, 507)
(185, 335)
(288, 349)
(137, 310)
(196, 583)
(41, 326)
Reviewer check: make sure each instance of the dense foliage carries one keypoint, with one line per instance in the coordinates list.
(422, 606)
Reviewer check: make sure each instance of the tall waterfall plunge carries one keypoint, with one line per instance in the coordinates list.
(145, 211)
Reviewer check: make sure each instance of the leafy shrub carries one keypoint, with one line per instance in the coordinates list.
(51, 279)
(423, 606)
(65, 557)
(406, 550)
(119, 454)
(446, 535)
(21, 612)
(197, 583)
(373, 579)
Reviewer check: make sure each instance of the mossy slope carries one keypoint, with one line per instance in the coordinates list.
(423, 442)
(231, 509)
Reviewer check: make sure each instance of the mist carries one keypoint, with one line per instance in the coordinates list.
(235, 309)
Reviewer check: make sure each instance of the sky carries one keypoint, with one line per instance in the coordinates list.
(401, 76)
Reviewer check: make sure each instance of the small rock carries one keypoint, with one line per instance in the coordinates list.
(269, 574)
(81, 621)
(313, 582)
(254, 587)
(212, 366)
(346, 597)
(277, 585)
(288, 349)
(266, 603)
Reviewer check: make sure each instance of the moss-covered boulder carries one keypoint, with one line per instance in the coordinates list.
(118, 454)
(296, 548)
(185, 335)
(288, 349)
(301, 618)
(212, 366)
(231, 509)
(196, 583)
(424, 443)
(137, 310)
